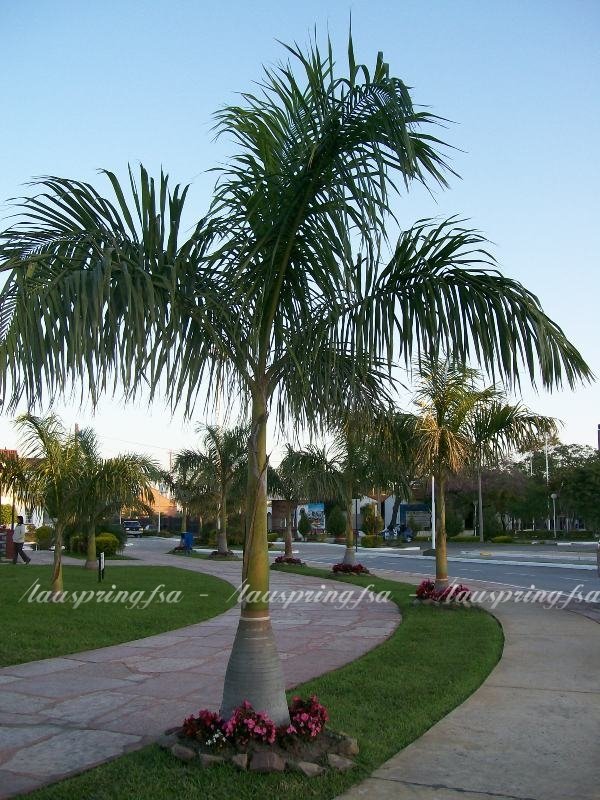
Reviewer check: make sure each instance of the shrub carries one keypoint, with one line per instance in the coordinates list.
(455, 524)
(304, 526)
(336, 522)
(371, 521)
(370, 541)
(113, 530)
(351, 569)
(78, 543)
(272, 537)
(464, 537)
(107, 543)
(44, 536)
(502, 539)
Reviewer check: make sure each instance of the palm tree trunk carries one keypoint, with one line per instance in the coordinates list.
(222, 548)
(349, 554)
(480, 501)
(288, 552)
(441, 560)
(90, 559)
(254, 670)
(396, 507)
(183, 519)
(57, 578)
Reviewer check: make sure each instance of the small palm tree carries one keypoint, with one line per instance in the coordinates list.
(53, 477)
(217, 469)
(446, 396)
(495, 428)
(106, 485)
(283, 292)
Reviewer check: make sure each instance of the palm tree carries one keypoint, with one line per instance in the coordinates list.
(495, 428)
(53, 477)
(108, 484)
(447, 397)
(217, 469)
(282, 293)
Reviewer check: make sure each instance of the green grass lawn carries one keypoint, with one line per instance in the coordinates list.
(387, 699)
(32, 630)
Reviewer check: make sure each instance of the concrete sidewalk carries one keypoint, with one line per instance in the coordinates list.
(531, 732)
(63, 715)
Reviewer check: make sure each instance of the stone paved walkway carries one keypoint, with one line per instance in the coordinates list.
(63, 715)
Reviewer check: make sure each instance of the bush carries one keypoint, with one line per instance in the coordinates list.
(502, 539)
(304, 526)
(113, 530)
(272, 537)
(371, 521)
(371, 541)
(350, 569)
(78, 543)
(336, 522)
(44, 536)
(464, 537)
(107, 543)
(454, 524)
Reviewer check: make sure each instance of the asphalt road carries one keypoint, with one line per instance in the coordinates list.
(462, 564)
(554, 577)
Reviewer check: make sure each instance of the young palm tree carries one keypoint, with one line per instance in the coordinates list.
(496, 428)
(282, 291)
(55, 464)
(108, 484)
(447, 397)
(216, 470)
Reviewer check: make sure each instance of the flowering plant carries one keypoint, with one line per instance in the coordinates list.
(204, 726)
(456, 592)
(307, 720)
(308, 717)
(354, 569)
(289, 560)
(245, 723)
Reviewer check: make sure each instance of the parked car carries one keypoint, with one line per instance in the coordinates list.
(133, 527)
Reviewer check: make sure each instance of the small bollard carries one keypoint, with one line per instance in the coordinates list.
(100, 567)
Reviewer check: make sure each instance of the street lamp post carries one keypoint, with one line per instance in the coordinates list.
(356, 524)
(554, 496)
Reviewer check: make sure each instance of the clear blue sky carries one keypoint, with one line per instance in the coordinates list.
(100, 84)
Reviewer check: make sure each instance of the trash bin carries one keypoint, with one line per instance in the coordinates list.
(188, 542)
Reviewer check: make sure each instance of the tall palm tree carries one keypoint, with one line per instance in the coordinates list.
(495, 428)
(55, 464)
(108, 484)
(216, 470)
(283, 292)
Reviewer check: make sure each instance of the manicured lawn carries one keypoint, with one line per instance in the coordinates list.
(34, 630)
(387, 698)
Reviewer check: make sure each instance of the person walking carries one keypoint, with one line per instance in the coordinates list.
(19, 541)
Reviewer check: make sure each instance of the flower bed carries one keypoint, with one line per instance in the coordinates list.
(452, 595)
(296, 562)
(250, 740)
(350, 569)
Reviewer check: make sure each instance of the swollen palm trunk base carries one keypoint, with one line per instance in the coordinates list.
(254, 672)
(349, 556)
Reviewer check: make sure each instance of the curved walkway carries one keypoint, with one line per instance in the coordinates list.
(530, 732)
(63, 715)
